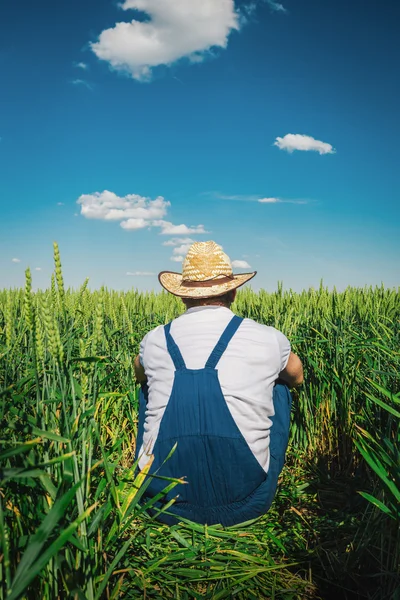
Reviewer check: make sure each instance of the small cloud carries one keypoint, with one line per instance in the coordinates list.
(178, 241)
(254, 198)
(280, 201)
(168, 228)
(140, 273)
(235, 197)
(276, 6)
(82, 82)
(132, 224)
(240, 264)
(246, 12)
(81, 65)
(177, 79)
(60, 203)
(179, 252)
(38, 268)
(16, 260)
(181, 247)
(297, 141)
(76, 215)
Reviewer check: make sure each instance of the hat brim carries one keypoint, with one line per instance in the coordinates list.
(172, 282)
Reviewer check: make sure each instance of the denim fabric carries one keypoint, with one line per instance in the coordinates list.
(226, 484)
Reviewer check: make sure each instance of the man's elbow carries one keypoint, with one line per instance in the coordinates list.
(299, 377)
(293, 373)
(299, 380)
(139, 371)
(292, 381)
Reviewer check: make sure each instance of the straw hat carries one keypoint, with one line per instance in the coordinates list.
(206, 272)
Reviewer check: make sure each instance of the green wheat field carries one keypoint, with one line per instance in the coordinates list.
(73, 521)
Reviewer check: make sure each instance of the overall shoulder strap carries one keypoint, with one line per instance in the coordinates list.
(223, 342)
(173, 349)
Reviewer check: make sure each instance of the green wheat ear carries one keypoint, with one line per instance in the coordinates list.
(59, 276)
(39, 337)
(28, 306)
(98, 325)
(54, 295)
(128, 322)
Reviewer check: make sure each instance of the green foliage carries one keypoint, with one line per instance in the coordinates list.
(72, 520)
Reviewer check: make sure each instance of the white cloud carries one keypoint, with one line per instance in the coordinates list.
(254, 198)
(140, 273)
(16, 260)
(178, 241)
(276, 6)
(175, 29)
(60, 203)
(240, 264)
(82, 82)
(132, 224)
(181, 247)
(237, 197)
(38, 268)
(133, 212)
(168, 228)
(181, 250)
(297, 141)
(280, 201)
(246, 12)
(108, 206)
(81, 65)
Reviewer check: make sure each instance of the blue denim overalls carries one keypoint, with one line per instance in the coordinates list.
(225, 482)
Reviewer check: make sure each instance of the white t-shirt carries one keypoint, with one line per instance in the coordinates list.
(247, 371)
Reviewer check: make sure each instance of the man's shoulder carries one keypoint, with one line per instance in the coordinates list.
(152, 336)
(260, 329)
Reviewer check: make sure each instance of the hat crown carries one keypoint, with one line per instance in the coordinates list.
(205, 261)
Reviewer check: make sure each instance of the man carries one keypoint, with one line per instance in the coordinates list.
(209, 386)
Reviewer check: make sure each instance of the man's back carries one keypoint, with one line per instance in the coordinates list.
(247, 371)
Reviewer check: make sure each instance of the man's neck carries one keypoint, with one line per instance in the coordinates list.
(206, 307)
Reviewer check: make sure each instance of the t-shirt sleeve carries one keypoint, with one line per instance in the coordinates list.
(142, 349)
(147, 345)
(284, 348)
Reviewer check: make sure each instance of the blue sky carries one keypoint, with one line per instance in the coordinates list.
(177, 116)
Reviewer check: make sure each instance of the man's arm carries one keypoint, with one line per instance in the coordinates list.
(292, 374)
(139, 371)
